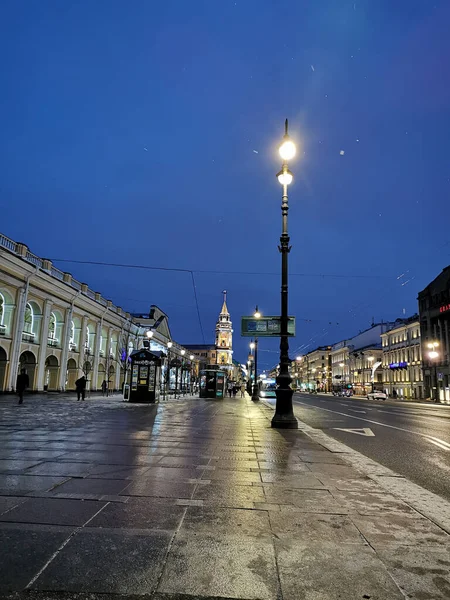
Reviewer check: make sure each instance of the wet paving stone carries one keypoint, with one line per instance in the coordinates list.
(8, 502)
(159, 488)
(139, 513)
(220, 565)
(108, 561)
(13, 465)
(92, 486)
(222, 521)
(21, 484)
(63, 469)
(50, 511)
(319, 571)
(25, 550)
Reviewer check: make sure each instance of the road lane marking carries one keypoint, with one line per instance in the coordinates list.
(438, 444)
(363, 431)
(423, 435)
(414, 416)
(357, 410)
(438, 440)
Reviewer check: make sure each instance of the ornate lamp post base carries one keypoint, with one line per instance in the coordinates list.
(284, 415)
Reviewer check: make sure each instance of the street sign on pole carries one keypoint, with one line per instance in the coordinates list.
(265, 326)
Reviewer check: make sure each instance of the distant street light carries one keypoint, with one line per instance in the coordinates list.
(284, 411)
(191, 379)
(183, 373)
(434, 355)
(167, 386)
(254, 346)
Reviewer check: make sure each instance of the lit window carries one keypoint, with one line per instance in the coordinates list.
(52, 327)
(28, 320)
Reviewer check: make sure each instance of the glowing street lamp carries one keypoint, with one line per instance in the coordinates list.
(284, 412)
(433, 354)
(342, 365)
(254, 346)
(167, 386)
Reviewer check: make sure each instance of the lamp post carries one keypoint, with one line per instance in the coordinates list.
(255, 391)
(148, 335)
(182, 387)
(169, 346)
(255, 394)
(284, 413)
(370, 359)
(297, 370)
(434, 355)
(191, 385)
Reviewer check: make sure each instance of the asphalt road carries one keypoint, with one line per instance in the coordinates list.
(411, 439)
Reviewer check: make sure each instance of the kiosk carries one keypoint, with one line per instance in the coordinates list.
(212, 383)
(145, 376)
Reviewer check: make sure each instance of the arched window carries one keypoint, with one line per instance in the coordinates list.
(29, 319)
(52, 327)
(2, 309)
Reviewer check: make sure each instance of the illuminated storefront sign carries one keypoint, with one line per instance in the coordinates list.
(444, 308)
(398, 365)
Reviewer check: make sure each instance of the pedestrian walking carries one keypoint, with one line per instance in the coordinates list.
(23, 381)
(235, 389)
(80, 385)
(104, 387)
(242, 390)
(230, 388)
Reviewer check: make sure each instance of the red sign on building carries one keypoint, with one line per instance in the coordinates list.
(444, 308)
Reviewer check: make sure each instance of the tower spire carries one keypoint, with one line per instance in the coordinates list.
(224, 310)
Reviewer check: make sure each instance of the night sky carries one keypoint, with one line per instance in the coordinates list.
(146, 132)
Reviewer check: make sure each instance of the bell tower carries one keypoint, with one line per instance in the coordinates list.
(224, 337)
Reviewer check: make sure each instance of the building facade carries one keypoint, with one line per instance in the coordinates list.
(356, 362)
(434, 315)
(402, 360)
(224, 338)
(312, 371)
(57, 328)
(364, 366)
(205, 354)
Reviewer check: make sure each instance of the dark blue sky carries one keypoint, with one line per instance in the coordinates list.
(129, 133)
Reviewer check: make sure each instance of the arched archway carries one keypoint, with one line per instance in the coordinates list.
(51, 373)
(71, 374)
(111, 378)
(87, 372)
(3, 363)
(27, 361)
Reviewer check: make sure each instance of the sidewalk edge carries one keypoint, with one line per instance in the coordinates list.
(430, 505)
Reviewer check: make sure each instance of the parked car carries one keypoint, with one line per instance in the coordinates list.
(377, 395)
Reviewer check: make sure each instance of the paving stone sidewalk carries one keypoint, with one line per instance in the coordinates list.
(197, 499)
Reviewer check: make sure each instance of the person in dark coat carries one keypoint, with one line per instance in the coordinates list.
(23, 381)
(104, 387)
(81, 387)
